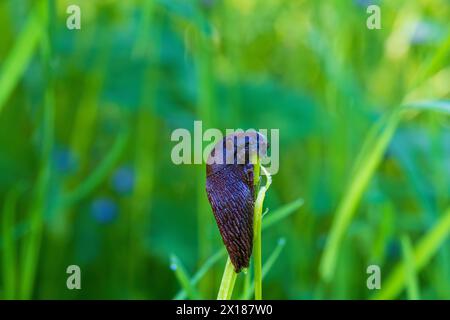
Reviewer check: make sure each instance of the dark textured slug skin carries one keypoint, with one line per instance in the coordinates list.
(230, 191)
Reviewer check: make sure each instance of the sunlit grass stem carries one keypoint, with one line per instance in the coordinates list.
(268, 264)
(204, 57)
(229, 275)
(32, 243)
(146, 134)
(425, 249)
(408, 257)
(271, 219)
(183, 277)
(366, 164)
(257, 217)
(13, 67)
(8, 257)
(228, 280)
(348, 204)
(257, 237)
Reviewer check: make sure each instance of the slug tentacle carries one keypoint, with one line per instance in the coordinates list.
(231, 193)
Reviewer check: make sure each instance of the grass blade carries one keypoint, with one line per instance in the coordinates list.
(368, 161)
(272, 219)
(274, 256)
(424, 251)
(266, 268)
(32, 243)
(439, 106)
(9, 259)
(353, 194)
(281, 213)
(408, 258)
(100, 173)
(228, 280)
(436, 62)
(183, 277)
(257, 236)
(202, 271)
(88, 185)
(21, 54)
(248, 285)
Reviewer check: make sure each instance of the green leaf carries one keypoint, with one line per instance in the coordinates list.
(100, 172)
(366, 163)
(202, 272)
(269, 220)
(183, 277)
(227, 283)
(439, 106)
(9, 260)
(346, 209)
(266, 267)
(408, 261)
(22, 52)
(281, 213)
(423, 252)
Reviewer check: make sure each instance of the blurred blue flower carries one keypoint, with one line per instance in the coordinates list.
(64, 160)
(424, 32)
(393, 249)
(104, 210)
(207, 3)
(123, 180)
(365, 3)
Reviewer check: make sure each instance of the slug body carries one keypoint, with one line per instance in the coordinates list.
(231, 192)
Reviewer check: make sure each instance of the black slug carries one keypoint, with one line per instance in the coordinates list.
(231, 191)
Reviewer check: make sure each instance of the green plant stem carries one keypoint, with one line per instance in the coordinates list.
(183, 278)
(257, 218)
(257, 255)
(422, 254)
(249, 289)
(201, 272)
(17, 61)
(145, 141)
(99, 174)
(32, 243)
(268, 221)
(408, 258)
(367, 162)
(204, 61)
(348, 204)
(228, 280)
(9, 259)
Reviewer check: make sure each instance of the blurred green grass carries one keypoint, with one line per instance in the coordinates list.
(85, 122)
